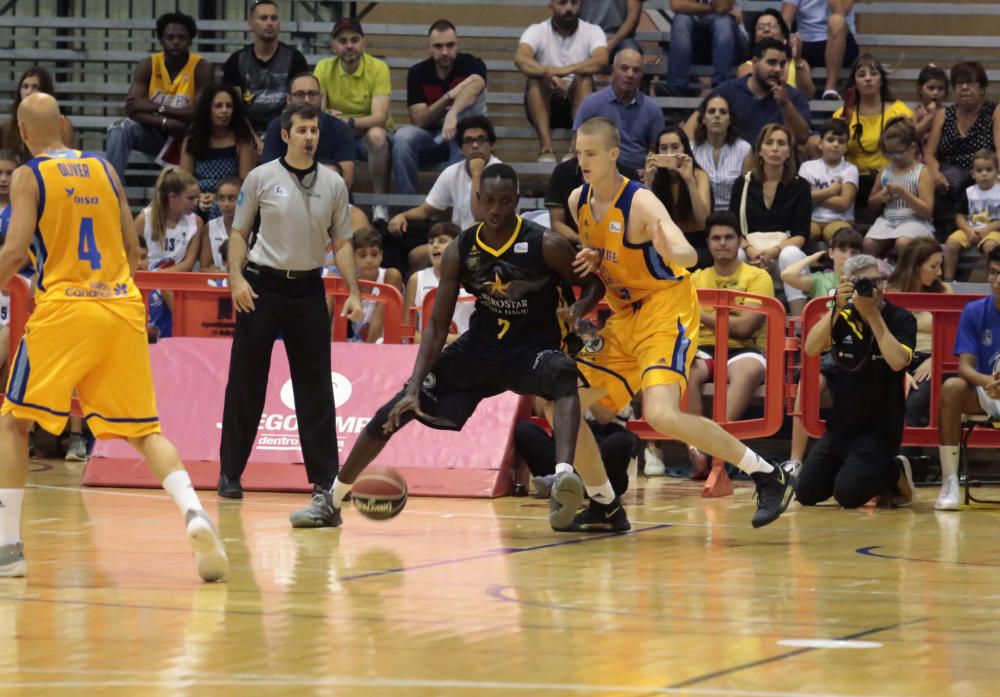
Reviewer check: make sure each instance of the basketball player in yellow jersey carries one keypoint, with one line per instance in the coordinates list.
(647, 344)
(88, 330)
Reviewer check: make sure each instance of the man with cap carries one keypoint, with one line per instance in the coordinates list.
(357, 91)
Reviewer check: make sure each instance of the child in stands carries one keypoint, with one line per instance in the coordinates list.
(217, 230)
(368, 263)
(169, 225)
(904, 188)
(834, 183)
(979, 220)
(438, 238)
(932, 89)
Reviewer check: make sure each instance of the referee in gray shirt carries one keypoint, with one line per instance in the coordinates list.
(277, 288)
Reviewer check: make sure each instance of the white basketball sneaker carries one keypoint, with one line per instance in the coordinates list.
(948, 499)
(209, 554)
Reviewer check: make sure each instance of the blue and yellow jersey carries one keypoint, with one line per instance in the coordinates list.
(630, 272)
(77, 250)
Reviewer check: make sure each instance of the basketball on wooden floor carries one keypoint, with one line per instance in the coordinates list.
(379, 493)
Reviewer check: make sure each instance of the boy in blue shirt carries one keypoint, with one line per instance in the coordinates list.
(976, 389)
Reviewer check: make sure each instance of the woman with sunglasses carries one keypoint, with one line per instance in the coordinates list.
(868, 107)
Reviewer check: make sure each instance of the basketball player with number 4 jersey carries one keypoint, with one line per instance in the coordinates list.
(88, 330)
(518, 271)
(648, 342)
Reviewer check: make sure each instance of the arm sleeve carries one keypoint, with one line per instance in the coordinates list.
(299, 63)
(760, 284)
(342, 149)
(736, 195)
(851, 175)
(585, 111)
(230, 71)
(381, 85)
(247, 203)
(439, 196)
(414, 91)
(272, 143)
(556, 195)
(802, 106)
(532, 37)
(904, 328)
(801, 222)
(965, 339)
(340, 226)
(596, 39)
(962, 205)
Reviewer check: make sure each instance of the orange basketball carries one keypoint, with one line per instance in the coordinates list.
(379, 493)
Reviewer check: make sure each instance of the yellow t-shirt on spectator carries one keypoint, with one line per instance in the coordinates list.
(351, 94)
(749, 279)
(866, 155)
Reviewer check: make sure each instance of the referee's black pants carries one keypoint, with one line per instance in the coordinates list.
(297, 309)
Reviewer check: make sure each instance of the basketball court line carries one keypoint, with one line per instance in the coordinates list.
(789, 654)
(141, 680)
(868, 552)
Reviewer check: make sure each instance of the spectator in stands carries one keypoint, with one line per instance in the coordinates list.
(440, 90)
(8, 163)
(357, 89)
(336, 141)
(904, 188)
(932, 90)
(261, 70)
(693, 20)
(718, 149)
(160, 317)
(774, 206)
(971, 124)
(161, 100)
(565, 178)
(976, 388)
(559, 56)
(681, 185)
(919, 271)
(745, 366)
(834, 182)
(220, 144)
(171, 229)
(457, 187)
(771, 25)
(827, 29)
(638, 118)
(368, 262)
(618, 19)
(869, 106)
(978, 221)
(422, 282)
(872, 341)
(844, 244)
(34, 79)
(217, 231)
(763, 96)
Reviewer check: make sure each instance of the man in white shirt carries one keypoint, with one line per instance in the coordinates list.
(457, 187)
(560, 57)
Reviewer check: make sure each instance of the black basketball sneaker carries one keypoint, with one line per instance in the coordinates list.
(600, 517)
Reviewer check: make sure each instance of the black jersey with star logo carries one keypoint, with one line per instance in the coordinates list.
(517, 294)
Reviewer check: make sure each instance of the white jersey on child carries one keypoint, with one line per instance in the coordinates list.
(359, 329)
(820, 175)
(217, 234)
(426, 280)
(175, 241)
(984, 206)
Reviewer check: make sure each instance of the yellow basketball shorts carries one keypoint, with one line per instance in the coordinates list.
(98, 349)
(652, 343)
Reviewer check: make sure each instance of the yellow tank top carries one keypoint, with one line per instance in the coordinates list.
(77, 249)
(178, 92)
(630, 272)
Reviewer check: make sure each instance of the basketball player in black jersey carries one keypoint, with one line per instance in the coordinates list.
(519, 273)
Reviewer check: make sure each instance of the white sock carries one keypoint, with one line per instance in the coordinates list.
(752, 462)
(564, 467)
(178, 485)
(339, 491)
(10, 515)
(949, 461)
(602, 494)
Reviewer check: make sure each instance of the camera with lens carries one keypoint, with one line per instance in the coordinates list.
(864, 287)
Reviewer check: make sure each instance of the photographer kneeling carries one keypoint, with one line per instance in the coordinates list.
(872, 343)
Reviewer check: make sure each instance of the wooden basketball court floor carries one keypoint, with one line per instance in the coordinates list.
(480, 598)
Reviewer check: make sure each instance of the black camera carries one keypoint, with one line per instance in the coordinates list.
(865, 287)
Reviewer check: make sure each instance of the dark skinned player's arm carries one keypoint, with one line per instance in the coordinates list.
(559, 254)
(432, 341)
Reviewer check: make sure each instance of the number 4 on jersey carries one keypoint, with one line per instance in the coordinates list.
(87, 248)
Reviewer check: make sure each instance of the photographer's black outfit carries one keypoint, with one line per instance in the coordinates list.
(855, 460)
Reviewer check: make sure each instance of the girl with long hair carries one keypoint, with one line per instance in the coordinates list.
(717, 148)
(675, 177)
(169, 224)
(34, 79)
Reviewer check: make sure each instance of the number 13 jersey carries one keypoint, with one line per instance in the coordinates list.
(77, 249)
